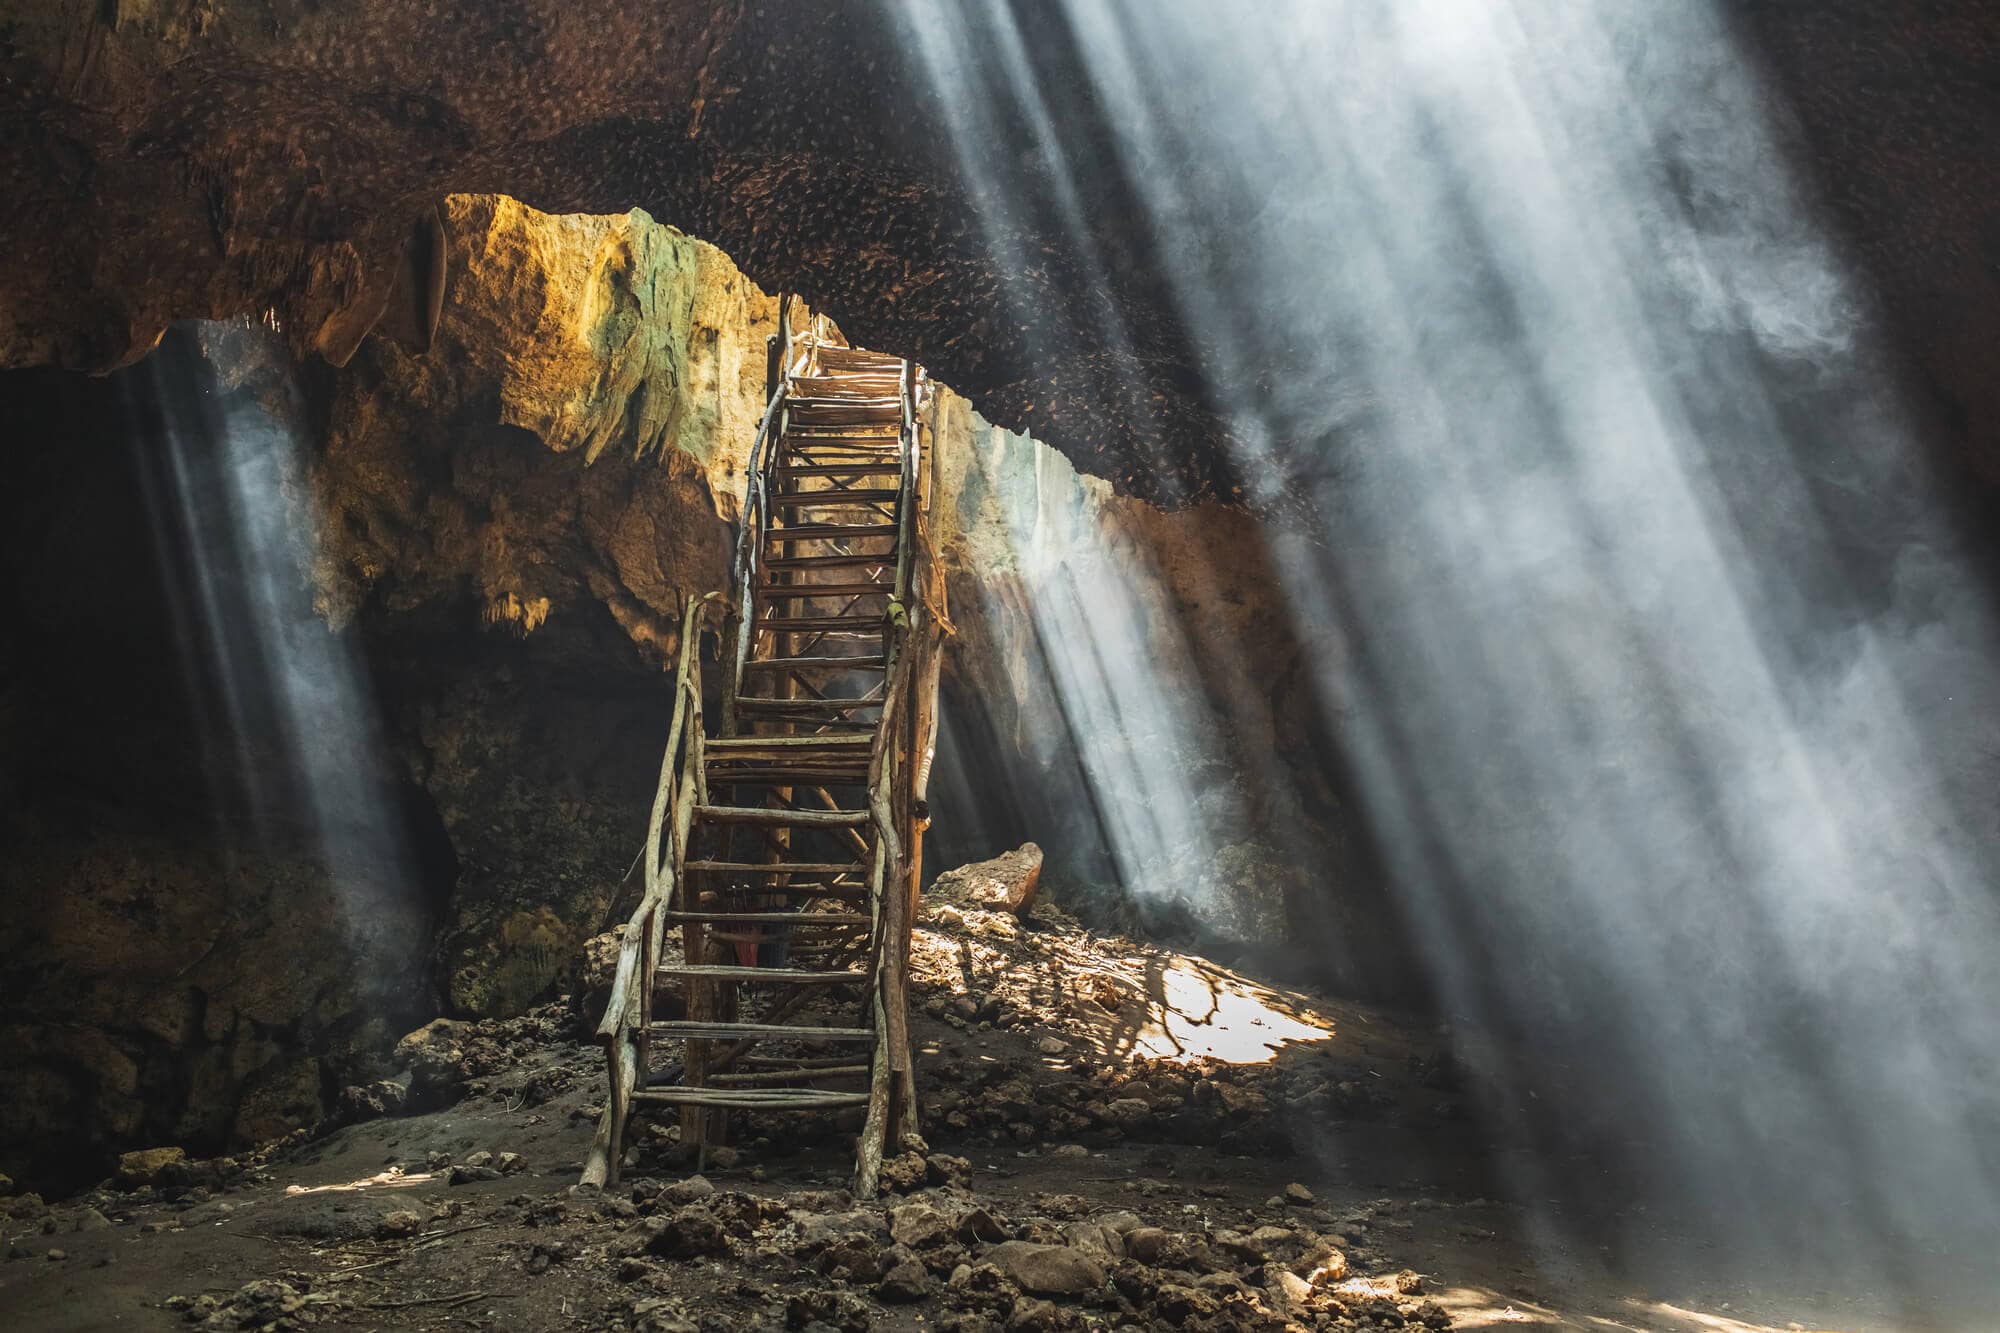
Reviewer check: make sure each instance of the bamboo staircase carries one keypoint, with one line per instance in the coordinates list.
(787, 850)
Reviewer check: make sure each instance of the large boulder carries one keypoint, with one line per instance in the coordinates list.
(1047, 1270)
(1006, 883)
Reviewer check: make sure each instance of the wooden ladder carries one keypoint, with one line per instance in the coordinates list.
(787, 849)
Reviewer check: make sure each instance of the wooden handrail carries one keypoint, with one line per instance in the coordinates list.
(657, 892)
(756, 513)
(628, 1009)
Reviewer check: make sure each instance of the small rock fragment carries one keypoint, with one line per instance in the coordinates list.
(905, 1283)
(398, 1225)
(146, 1166)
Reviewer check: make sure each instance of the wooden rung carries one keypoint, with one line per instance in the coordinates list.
(785, 1075)
(836, 470)
(856, 358)
(869, 622)
(799, 761)
(855, 893)
(787, 744)
(796, 951)
(835, 496)
(844, 763)
(888, 382)
(776, 976)
(806, 707)
(752, 1099)
(886, 561)
(789, 777)
(793, 592)
(775, 919)
(766, 1032)
(789, 868)
(750, 814)
(803, 404)
(874, 662)
(826, 532)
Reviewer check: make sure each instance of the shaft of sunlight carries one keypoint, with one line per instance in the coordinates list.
(305, 739)
(1668, 684)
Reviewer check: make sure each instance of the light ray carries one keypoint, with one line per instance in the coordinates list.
(1666, 681)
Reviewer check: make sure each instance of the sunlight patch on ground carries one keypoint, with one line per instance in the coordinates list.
(1197, 1011)
(1128, 1000)
(394, 1179)
(1657, 1310)
(1475, 1308)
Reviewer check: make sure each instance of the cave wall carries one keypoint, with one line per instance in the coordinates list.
(214, 158)
(184, 956)
(558, 469)
(503, 528)
(582, 423)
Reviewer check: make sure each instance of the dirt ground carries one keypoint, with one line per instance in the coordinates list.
(1119, 1135)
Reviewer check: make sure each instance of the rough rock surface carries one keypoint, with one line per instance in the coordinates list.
(569, 460)
(507, 525)
(216, 159)
(562, 459)
(1007, 882)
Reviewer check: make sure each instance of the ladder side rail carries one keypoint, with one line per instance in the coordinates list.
(907, 484)
(886, 908)
(756, 512)
(622, 1030)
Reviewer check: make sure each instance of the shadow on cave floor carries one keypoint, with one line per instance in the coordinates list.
(1066, 1076)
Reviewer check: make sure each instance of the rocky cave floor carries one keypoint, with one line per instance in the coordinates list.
(1112, 1143)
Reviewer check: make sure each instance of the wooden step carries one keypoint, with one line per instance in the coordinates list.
(878, 440)
(842, 561)
(686, 1029)
(776, 976)
(814, 891)
(828, 532)
(890, 403)
(754, 814)
(807, 1072)
(791, 777)
(825, 627)
(774, 918)
(773, 868)
(838, 470)
(804, 499)
(757, 768)
(875, 662)
(758, 704)
(834, 357)
(793, 592)
(751, 1099)
(858, 383)
(785, 744)
(869, 623)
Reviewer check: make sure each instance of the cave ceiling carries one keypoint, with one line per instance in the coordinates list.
(171, 160)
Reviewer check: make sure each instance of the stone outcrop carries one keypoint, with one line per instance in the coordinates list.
(558, 466)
